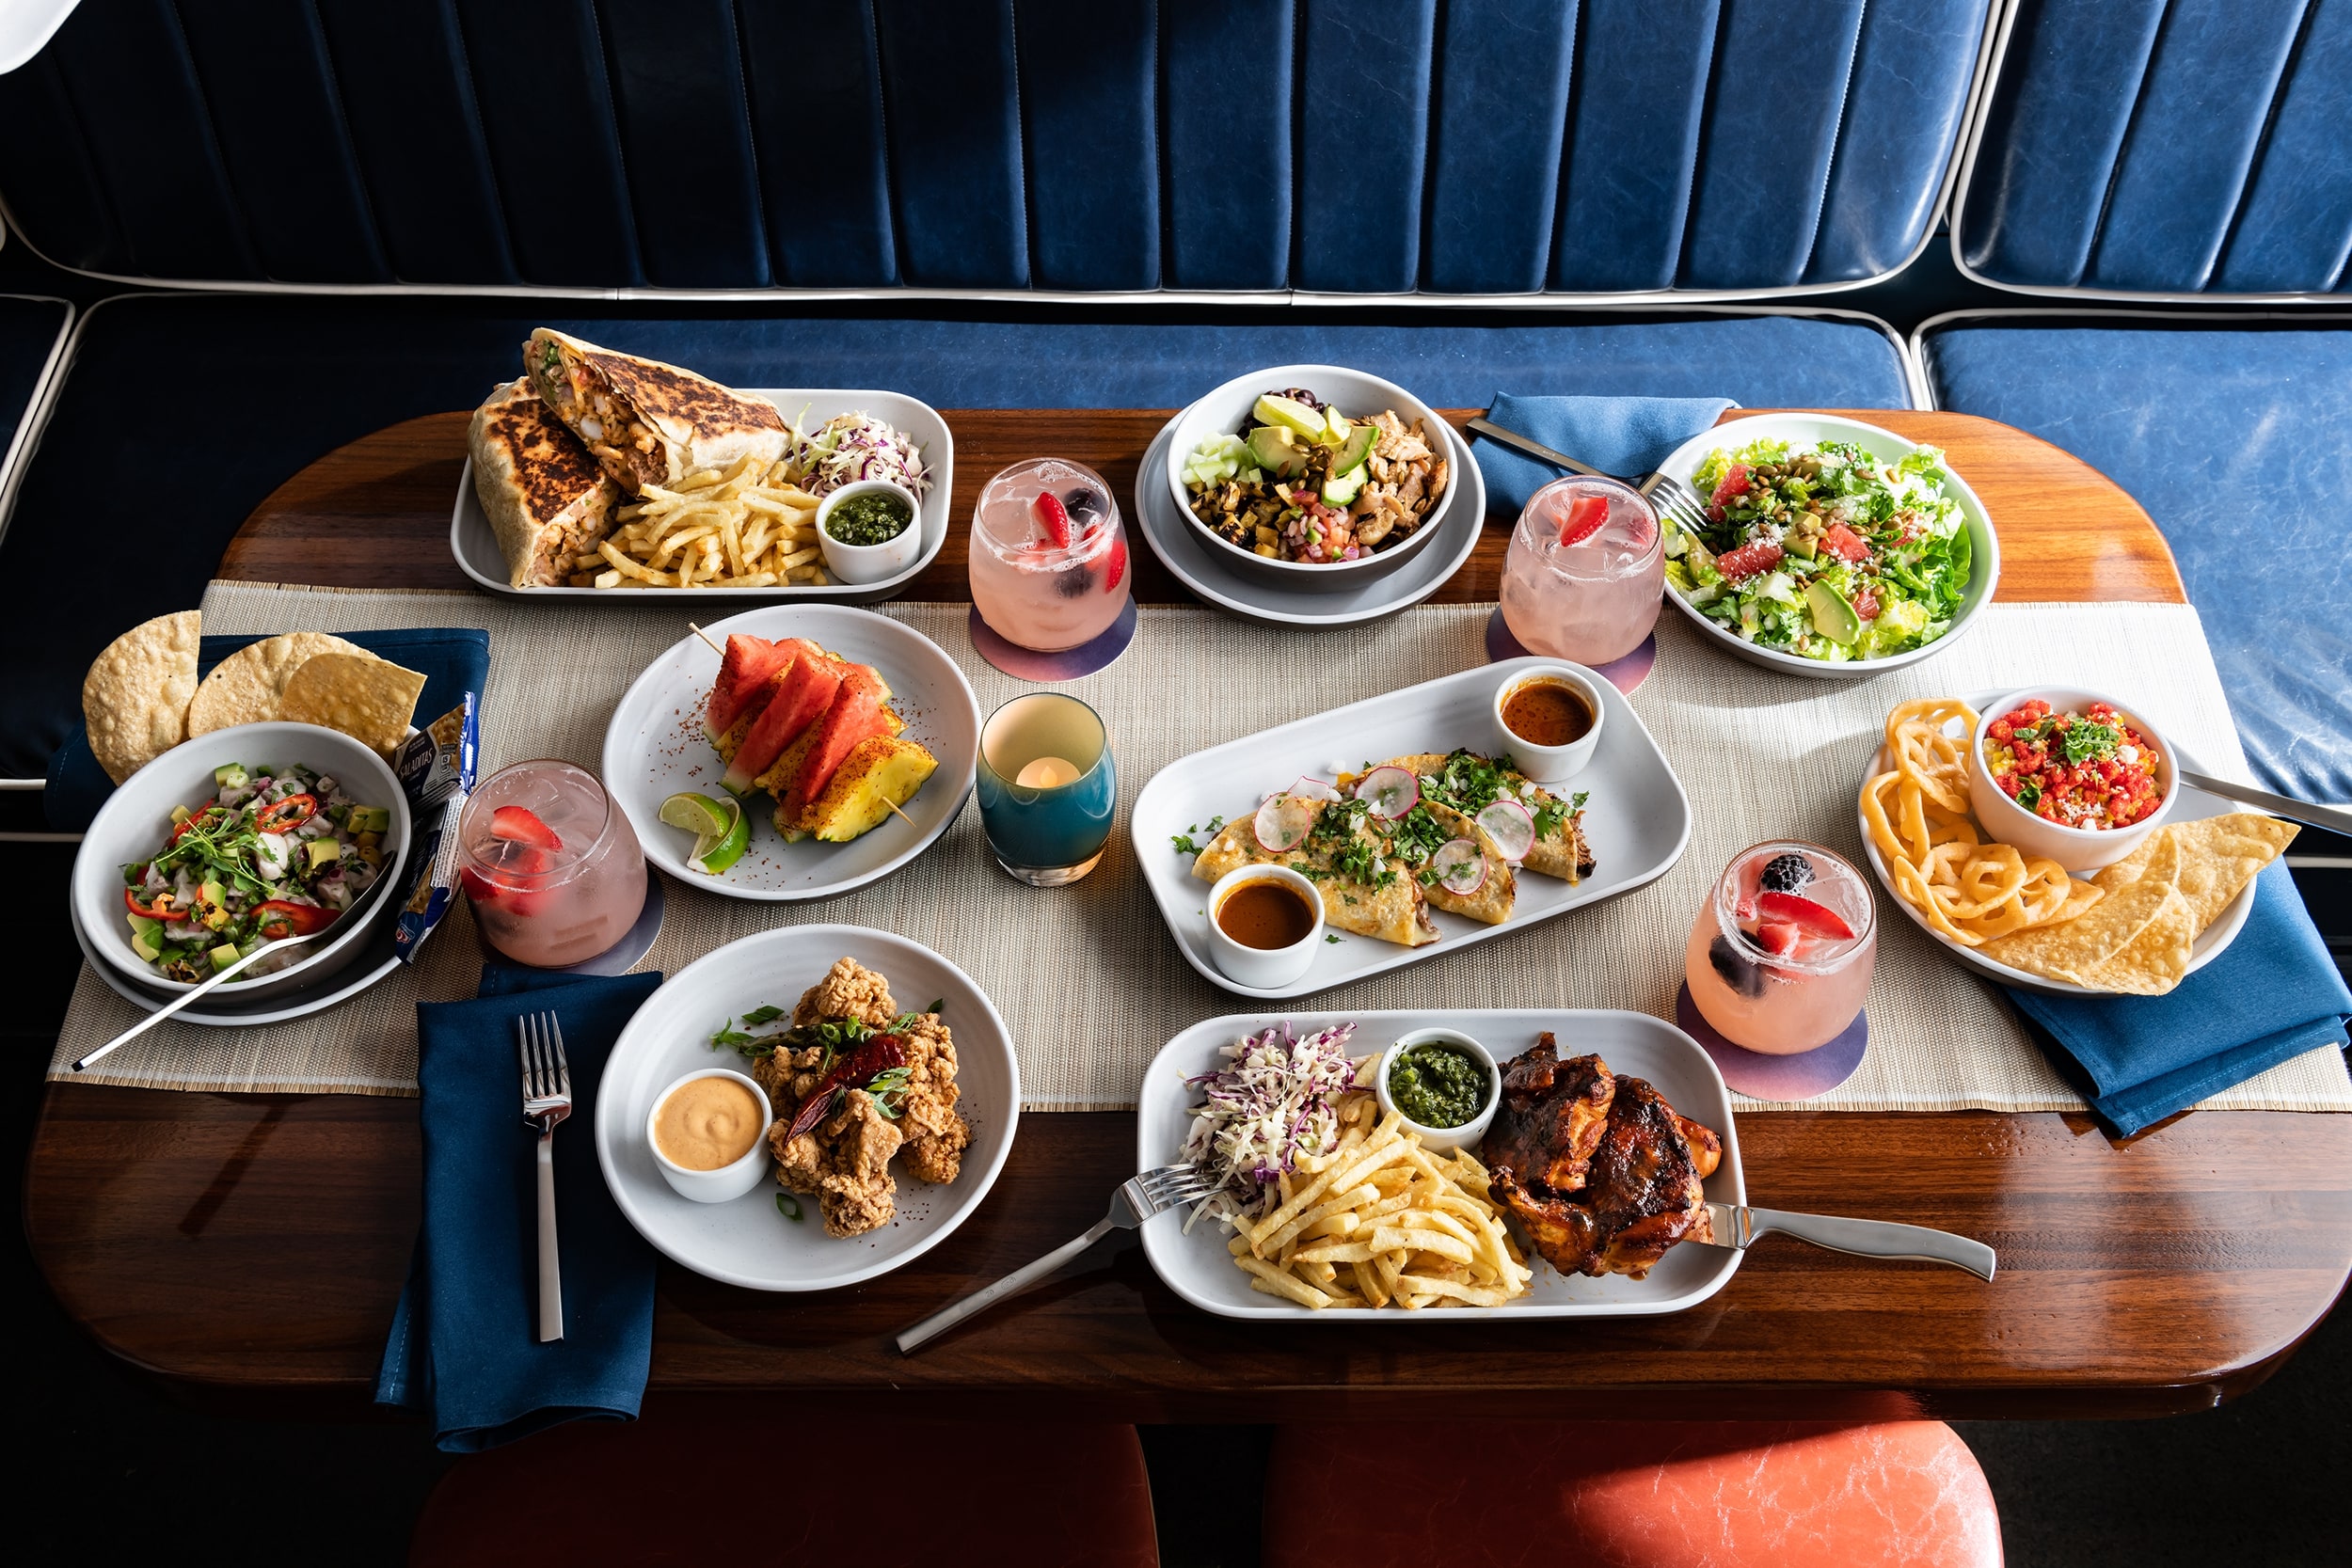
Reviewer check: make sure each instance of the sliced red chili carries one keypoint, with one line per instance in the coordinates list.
(153, 911)
(277, 919)
(291, 812)
(854, 1070)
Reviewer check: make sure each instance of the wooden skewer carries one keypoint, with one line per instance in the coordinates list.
(903, 816)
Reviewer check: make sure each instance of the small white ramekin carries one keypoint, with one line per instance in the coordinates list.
(2076, 848)
(1439, 1140)
(1551, 764)
(870, 563)
(1266, 968)
(729, 1181)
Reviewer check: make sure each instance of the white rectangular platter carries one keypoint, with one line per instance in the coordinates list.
(477, 548)
(1197, 1268)
(1637, 820)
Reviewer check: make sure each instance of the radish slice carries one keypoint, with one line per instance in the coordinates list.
(1511, 827)
(1460, 866)
(1391, 792)
(1313, 788)
(1283, 823)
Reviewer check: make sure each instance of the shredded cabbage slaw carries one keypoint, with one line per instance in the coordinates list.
(1274, 1102)
(851, 447)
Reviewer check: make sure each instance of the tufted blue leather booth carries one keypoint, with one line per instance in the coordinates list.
(2166, 149)
(308, 375)
(1332, 146)
(2236, 435)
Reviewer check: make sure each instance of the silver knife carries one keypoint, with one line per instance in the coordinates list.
(1737, 1226)
(2334, 818)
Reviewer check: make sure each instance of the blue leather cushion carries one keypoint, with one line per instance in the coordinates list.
(305, 376)
(2238, 441)
(2168, 147)
(1477, 147)
(29, 335)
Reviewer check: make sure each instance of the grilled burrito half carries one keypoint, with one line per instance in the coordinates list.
(547, 499)
(1364, 889)
(648, 422)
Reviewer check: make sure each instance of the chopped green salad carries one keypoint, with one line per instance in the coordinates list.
(1825, 552)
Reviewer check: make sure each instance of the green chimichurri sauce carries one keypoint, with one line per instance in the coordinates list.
(873, 518)
(1438, 1085)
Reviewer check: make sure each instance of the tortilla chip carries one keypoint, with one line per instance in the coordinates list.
(246, 688)
(2136, 889)
(135, 699)
(2220, 855)
(369, 699)
(2152, 962)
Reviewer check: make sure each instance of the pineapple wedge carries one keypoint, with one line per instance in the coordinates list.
(880, 772)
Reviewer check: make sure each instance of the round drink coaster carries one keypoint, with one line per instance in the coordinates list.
(1068, 665)
(1762, 1077)
(616, 959)
(1625, 674)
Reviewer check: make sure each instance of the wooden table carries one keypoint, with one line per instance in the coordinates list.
(252, 1246)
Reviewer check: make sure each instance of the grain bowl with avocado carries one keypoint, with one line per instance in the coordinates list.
(1301, 482)
(277, 853)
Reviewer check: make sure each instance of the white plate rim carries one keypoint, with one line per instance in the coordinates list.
(1152, 511)
(1985, 545)
(2211, 942)
(615, 759)
(936, 521)
(1228, 1027)
(969, 1193)
(303, 1005)
(1620, 713)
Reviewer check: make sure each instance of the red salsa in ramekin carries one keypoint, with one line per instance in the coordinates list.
(2090, 770)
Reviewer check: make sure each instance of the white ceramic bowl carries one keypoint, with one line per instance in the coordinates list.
(1551, 764)
(133, 823)
(728, 1181)
(2076, 848)
(1443, 1139)
(1358, 396)
(864, 564)
(1807, 430)
(1268, 967)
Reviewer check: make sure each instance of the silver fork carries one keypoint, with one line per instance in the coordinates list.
(1137, 1200)
(1663, 490)
(547, 1101)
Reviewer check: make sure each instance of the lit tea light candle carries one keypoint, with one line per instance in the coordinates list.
(1047, 773)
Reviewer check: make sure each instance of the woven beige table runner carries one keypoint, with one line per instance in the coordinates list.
(1088, 978)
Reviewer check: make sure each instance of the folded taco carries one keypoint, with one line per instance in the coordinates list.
(1364, 889)
(648, 422)
(547, 499)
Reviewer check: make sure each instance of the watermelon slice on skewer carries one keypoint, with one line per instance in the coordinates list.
(744, 671)
(798, 695)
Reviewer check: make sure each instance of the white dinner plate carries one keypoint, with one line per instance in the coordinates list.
(1985, 546)
(476, 546)
(1186, 552)
(1197, 1268)
(655, 748)
(748, 1241)
(1636, 822)
(2189, 805)
(223, 1009)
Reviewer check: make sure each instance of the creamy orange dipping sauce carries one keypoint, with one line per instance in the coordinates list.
(707, 1124)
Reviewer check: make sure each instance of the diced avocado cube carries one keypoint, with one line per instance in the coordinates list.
(323, 852)
(225, 954)
(211, 906)
(1341, 491)
(180, 814)
(370, 819)
(232, 775)
(147, 937)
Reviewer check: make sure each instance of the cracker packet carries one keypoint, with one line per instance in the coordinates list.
(435, 767)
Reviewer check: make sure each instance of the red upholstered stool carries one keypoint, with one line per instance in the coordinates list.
(1630, 1495)
(770, 1487)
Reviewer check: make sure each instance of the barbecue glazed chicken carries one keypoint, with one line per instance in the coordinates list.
(1599, 1169)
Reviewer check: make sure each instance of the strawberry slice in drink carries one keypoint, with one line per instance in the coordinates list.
(1115, 570)
(1583, 518)
(1803, 914)
(521, 825)
(1052, 517)
(1749, 559)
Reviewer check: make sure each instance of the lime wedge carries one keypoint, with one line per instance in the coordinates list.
(700, 815)
(714, 855)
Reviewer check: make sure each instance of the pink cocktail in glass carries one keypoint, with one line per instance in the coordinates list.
(552, 870)
(1049, 555)
(1781, 954)
(1585, 572)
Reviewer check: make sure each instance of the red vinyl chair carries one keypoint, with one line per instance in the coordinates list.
(769, 1487)
(1630, 1495)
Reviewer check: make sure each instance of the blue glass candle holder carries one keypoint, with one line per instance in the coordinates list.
(1047, 788)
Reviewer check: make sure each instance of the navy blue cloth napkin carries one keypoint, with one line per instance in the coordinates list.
(453, 659)
(1618, 435)
(2274, 994)
(464, 1345)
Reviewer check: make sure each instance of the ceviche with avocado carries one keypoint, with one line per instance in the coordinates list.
(277, 853)
(1825, 552)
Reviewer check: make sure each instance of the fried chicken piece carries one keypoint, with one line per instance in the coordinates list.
(936, 1133)
(849, 989)
(1552, 1117)
(845, 1162)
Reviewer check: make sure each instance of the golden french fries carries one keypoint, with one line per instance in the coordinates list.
(746, 526)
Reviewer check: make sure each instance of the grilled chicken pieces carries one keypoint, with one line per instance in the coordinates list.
(1599, 1169)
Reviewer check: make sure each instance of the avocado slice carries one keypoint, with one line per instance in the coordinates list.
(1832, 617)
(225, 954)
(1355, 450)
(370, 819)
(232, 775)
(1271, 449)
(1341, 491)
(147, 937)
(323, 852)
(1290, 414)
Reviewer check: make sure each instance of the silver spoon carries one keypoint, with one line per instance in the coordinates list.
(143, 1025)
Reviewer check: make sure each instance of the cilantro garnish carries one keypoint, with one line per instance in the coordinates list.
(2087, 741)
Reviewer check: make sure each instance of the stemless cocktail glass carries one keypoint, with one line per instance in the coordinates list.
(1043, 581)
(550, 904)
(1767, 963)
(1594, 597)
